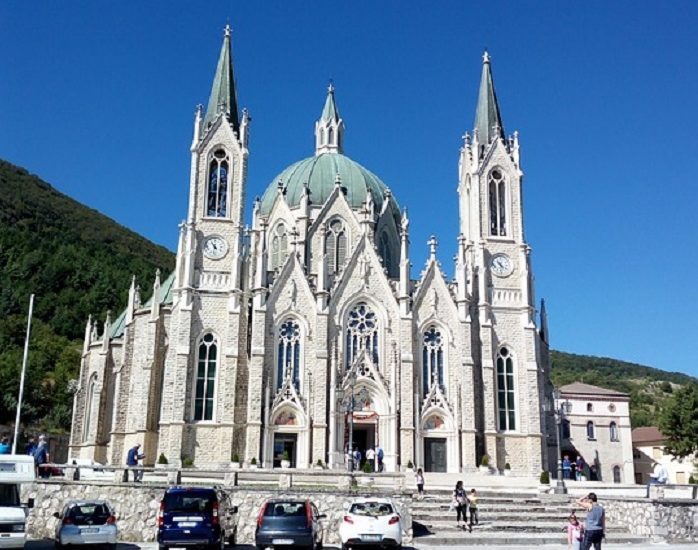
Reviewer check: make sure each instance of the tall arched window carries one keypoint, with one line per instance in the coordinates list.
(613, 430)
(384, 251)
(617, 474)
(279, 247)
(498, 203)
(335, 246)
(289, 353)
(361, 333)
(206, 378)
(330, 136)
(590, 430)
(506, 390)
(91, 391)
(218, 178)
(432, 360)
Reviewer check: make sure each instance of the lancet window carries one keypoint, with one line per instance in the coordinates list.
(206, 378)
(432, 360)
(498, 203)
(91, 390)
(335, 246)
(384, 251)
(279, 247)
(613, 429)
(361, 333)
(506, 390)
(218, 179)
(289, 353)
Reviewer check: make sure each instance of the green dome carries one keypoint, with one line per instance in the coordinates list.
(320, 172)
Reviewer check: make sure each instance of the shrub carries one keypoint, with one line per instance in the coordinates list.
(320, 463)
(366, 468)
(253, 461)
(409, 464)
(544, 478)
(485, 461)
(507, 466)
(162, 459)
(236, 458)
(187, 462)
(284, 456)
(692, 480)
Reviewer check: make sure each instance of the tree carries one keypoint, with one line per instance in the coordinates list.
(679, 421)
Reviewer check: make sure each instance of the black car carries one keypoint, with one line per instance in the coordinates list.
(286, 523)
(196, 516)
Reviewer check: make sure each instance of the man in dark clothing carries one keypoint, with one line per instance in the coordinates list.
(30, 446)
(41, 457)
(595, 523)
(132, 459)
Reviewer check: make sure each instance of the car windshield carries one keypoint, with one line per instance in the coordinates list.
(9, 495)
(371, 509)
(284, 509)
(89, 513)
(198, 502)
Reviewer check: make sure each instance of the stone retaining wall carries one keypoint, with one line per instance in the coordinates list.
(661, 520)
(137, 507)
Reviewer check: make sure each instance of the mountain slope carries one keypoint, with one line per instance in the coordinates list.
(77, 262)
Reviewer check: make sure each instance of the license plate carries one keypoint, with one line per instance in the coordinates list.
(282, 541)
(187, 524)
(371, 538)
(89, 530)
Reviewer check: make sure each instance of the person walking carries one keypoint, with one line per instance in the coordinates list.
(658, 476)
(574, 531)
(41, 457)
(566, 467)
(379, 456)
(459, 502)
(30, 446)
(357, 458)
(132, 459)
(5, 448)
(419, 478)
(595, 523)
(371, 458)
(579, 469)
(472, 505)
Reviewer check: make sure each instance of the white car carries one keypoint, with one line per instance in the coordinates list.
(371, 522)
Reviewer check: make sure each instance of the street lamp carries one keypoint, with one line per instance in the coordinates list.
(348, 402)
(559, 411)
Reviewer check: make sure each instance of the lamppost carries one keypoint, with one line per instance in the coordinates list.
(559, 410)
(348, 403)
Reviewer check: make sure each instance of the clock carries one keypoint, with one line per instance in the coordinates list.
(501, 265)
(215, 247)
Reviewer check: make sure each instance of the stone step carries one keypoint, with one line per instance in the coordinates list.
(497, 525)
(498, 516)
(444, 505)
(511, 539)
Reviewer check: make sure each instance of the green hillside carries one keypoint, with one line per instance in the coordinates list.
(77, 262)
(648, 387)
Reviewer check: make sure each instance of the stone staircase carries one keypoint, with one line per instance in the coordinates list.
(507, 517)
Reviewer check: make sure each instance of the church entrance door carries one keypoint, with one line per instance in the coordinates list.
(435, 454)
(364, 438)
(288, 443)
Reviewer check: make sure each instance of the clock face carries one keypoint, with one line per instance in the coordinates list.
(215, 247)
(501, 265)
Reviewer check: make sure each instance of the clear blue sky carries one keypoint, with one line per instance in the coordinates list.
(98, 98)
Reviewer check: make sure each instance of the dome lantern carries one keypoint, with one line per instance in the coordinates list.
(329, 129)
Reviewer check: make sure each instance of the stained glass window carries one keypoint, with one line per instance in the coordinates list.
(362, 333)
(289, 353)
(432, 360)
(206, 378)
(217, 197)
(506, 390)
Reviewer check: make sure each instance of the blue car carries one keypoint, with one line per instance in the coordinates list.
(196, 516)
(289, 523)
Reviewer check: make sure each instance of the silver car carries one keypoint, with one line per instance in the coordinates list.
(86, 522)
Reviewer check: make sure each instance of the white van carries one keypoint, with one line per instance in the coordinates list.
(14, 470)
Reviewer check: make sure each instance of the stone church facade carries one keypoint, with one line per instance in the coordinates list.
(255, 343)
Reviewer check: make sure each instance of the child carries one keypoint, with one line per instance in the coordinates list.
(472, 502)
(574, 532)
(419, 478)
(460, 503)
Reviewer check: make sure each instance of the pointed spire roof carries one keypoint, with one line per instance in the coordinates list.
(330, 112)
(488, 121)
(223, 93)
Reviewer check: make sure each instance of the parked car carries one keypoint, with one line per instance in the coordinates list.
(196, 516)
(86, 522)
(283, 523)
(371, 522)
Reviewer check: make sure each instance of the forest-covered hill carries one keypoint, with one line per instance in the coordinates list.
(79, 262)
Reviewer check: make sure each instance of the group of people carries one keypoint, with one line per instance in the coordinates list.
(39, 450)
(374, 457)
(574, 470)
(465, 506)
(583, 537)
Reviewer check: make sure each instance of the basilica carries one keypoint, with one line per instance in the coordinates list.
(277, 340)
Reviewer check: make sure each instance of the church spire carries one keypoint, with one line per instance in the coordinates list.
(223, 96)
(488, 121)
(329, 129)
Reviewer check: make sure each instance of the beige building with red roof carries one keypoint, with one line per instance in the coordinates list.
(648, 448)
